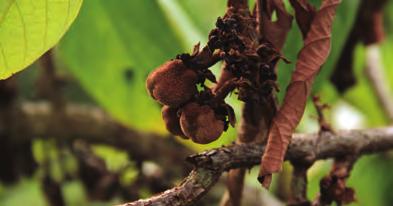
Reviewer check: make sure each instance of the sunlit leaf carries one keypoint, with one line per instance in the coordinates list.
(30, 28)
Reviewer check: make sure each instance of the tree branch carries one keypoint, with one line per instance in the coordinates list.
(304, 149)
(91, 124)
(40, 120)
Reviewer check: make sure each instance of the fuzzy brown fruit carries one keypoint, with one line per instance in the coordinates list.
(172, 121)
(200, 123)
(172, 83)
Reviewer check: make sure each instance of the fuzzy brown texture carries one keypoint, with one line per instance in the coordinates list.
(172, 83)
(172, 121)
(200, 123)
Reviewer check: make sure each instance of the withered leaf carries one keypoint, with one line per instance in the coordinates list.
(276, 31)
(368, 29)
(369, 21)
(314, 53)
(304, 15)
(343, 76)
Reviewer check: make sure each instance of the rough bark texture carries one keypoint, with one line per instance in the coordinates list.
(305, 148)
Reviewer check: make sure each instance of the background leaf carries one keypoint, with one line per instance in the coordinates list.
(30, 28)
(133, 38)
(129, 48)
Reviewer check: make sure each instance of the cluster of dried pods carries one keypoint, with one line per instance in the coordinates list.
(194, 110)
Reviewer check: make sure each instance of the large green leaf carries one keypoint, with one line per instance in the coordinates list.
(30, 28)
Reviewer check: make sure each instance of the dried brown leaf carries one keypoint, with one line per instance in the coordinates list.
(304, 15)
(370, 21)
(276, 31)
(368, 29)
(343, 76)
(313, 55)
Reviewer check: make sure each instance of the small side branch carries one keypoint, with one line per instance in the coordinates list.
(299, 186)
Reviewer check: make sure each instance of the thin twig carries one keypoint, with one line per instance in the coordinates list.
(299, 186)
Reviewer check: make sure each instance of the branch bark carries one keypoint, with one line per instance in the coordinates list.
(304, 148)
(40, 120)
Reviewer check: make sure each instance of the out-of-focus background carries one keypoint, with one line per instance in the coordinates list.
(102, 63)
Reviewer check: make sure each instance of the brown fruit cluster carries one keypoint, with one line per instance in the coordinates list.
(186, 112)
(202, 114)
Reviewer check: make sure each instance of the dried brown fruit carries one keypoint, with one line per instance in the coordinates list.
(172, 121)
(172, 83)
(199, 122)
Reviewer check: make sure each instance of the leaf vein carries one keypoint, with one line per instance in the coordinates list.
(24, 31)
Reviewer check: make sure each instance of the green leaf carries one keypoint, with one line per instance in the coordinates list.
(371, 180)
(30, 28)
(206, 21)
